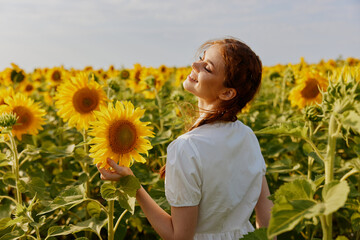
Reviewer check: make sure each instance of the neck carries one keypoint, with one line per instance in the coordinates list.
(205, 106)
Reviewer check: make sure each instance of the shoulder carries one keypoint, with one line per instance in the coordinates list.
(183, 145)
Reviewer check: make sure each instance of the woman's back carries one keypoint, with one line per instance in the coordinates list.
(219, 167)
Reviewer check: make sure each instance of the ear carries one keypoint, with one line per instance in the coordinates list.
(227, 94)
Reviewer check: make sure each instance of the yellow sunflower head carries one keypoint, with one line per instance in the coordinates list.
(4, 93)
(28, 87)
(77, 99)
(308, 90)
(56, 76)
(13, 76)
(30, 115)
(120, 135)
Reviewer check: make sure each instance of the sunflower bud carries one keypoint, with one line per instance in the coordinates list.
(289, 75)
(114, 84)
(313, 113)
(8, 119)
(273, 75)
(124, 74)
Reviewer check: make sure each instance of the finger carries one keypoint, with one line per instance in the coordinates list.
(116, 167)
(107, 175)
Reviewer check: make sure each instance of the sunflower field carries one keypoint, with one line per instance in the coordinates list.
(57, 124)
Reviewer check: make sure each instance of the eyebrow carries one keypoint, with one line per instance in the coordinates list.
(209, 61)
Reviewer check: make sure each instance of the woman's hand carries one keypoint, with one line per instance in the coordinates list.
(116, 173)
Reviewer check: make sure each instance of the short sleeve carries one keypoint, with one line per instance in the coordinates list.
(183, 174)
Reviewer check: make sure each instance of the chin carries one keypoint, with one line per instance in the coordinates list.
(187, 86)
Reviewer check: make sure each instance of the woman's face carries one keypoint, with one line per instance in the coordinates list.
(207, 76)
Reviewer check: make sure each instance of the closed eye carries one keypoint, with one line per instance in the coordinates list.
(206, 66)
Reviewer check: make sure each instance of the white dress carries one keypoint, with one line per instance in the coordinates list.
(218, 166)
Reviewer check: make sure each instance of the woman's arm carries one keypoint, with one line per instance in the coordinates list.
(263, 206)
(181, 224)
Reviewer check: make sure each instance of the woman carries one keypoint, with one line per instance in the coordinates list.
(215, 173)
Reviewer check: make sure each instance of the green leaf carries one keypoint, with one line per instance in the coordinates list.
(93, 209)
(285, 215)
(2, 156)
(125, 192)
(258, 234)
(4, 160)
(69, 198)
(341, 238)
(297, 189)
(285, 129)
(352, 120)
(128, 187)
(108, 191)
(22, 186)
(163, 138)
(51, 151)
(355, 221)
(9, 179)
(7, 222)
(13, 235)
(93, 225)
(319, 180)
(334, 195)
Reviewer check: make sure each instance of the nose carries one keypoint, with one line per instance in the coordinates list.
(195, 66)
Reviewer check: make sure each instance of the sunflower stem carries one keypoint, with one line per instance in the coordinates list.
(16, 168)
(329, 170)
(111, 219)
(282, 94)
(310, 159)
(87, 183)
(86, 165)
(160, 111)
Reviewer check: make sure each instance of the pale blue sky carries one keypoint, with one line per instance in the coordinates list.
(79, 33)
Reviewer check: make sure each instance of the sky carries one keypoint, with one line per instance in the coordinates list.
(100, 33)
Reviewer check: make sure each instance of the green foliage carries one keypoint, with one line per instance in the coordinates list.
(124, 192)
(93, 224)
(295, 201)
(55, 168)
(258, 234)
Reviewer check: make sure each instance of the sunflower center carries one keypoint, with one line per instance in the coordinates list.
(56, 76)
(25, 118)
(137, 76)
(311, 89)
(125, 74)
(29, 88)
(85, 100)
(122, 136)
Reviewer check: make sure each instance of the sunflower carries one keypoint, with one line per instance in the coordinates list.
(307, 92)
(124, 74)
(30, 115)
(4, 93)
(120, 135)
(55, 76)
(14, 75)
(28, 87)
(136, 83)
(77, 99)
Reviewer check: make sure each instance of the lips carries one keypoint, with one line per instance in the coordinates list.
(192, 77)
